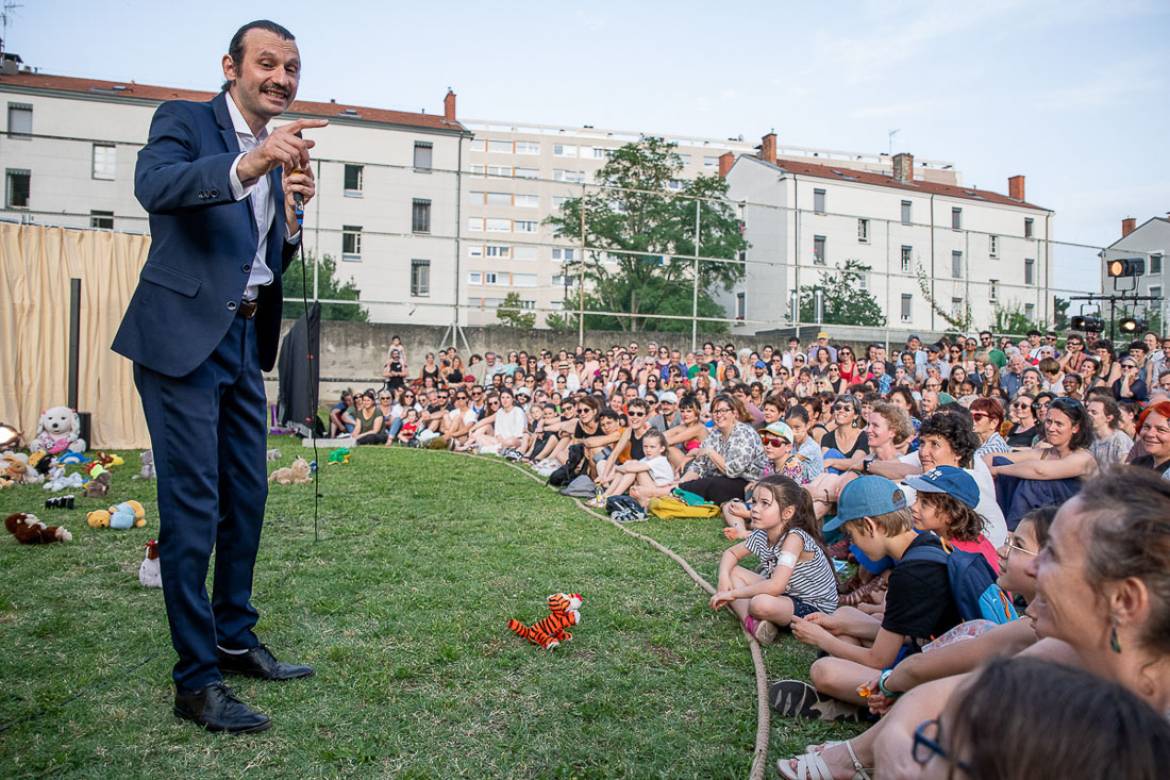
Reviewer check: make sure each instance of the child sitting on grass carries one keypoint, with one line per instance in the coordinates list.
(648, 477)
(794, 578)
(919, 607)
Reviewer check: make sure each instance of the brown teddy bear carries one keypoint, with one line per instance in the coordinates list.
(296, 474)
(29, 530)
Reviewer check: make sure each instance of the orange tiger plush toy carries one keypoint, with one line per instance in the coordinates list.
(564, 611)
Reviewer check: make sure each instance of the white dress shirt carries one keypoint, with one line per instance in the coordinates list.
(264, 207)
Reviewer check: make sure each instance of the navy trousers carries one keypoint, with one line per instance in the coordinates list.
(208, 432)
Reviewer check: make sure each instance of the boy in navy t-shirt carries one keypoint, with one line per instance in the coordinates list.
(872, 511)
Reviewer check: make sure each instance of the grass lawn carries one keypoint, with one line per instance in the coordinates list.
(401, 607)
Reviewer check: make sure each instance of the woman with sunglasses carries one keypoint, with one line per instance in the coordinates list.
(987, 419)
(686, 437)
(457, 422)
(1025, 425)
(1031, 478)
(1130, 386)
(847, 367)
(731, 456)
(846, 436)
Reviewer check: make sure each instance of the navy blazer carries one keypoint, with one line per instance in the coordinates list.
(203, 243)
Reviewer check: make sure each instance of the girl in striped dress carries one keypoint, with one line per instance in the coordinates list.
(794, 576)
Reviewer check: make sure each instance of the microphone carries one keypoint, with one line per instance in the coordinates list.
(299, 199)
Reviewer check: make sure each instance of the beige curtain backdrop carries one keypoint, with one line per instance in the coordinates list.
(36, 264)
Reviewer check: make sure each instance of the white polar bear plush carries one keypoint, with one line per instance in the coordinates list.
(58, 431)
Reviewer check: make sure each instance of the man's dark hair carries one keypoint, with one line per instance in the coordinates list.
(797, 412)
(236, 47)
(956, 430)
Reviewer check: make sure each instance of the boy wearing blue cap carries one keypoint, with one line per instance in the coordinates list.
(874, 514)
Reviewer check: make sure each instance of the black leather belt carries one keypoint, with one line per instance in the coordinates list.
(247, 309)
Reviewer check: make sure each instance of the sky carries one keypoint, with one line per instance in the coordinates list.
(1074, 95)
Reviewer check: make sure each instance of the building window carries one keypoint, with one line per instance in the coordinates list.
(478, 145)
(475, 277)
(525, 225)
(499, 225)
(524, 201)
(500, 170)
(490, 277)
(1028, 226)
(1030, 311)
(475, 251)
(819, 250)
(527, 173)
(420, 278)
(564, 150)
(499, 250)
(500, 147)
(558, 201)
(523, 280)
(1155, 265)
(351, 242)
(863, 280)
(527, 147)
(1029, 271)
(19, 120)
(18, 186)
(907, 258)
(562, 255)
(102, 220)
(476, 170)
(1156, 292)
(740, 305)
(710, 162)
(957, 265)
(863, 231)
(993, 246)
(498, 198)
(105, 161)
(523, 253)
(907, 302)
(475, 224)
(993, 289)
(575, 177)
(956, 219)
(423, 155)
(906, 212)
(819, 201)
(420, 216)
(354, 177)
(957, 307)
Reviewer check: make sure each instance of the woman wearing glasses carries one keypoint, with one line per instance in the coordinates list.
(731, 456)
(1130, 386)
(987, 418)
(845, 437)
(1048, 476)
(1025, 426)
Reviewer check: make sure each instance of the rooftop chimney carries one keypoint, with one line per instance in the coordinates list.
(449, 106)
(1128, 225)
(1016, 188)
(768, 148)
(726, 160)
(904, 167)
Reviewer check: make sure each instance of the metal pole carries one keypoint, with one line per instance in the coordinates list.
(695, 292)
(317, 242)
(74, 340)
(458, 243)
(581, 277)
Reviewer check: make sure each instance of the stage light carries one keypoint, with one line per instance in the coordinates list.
(1125, 266)
(1088, 324)
(1131, 326)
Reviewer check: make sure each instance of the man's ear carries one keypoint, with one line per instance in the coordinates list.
(229, 68)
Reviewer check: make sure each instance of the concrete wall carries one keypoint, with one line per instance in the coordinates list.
(352, 353)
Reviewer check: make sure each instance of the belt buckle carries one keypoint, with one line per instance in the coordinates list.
(248, 309)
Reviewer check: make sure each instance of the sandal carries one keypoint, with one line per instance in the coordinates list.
(812, 766)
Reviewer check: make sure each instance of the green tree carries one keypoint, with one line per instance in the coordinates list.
(844, 300)
(509, 314)
(635, 226)
(328, 288)
(561, 323)
(959, 320)
(1011, 320)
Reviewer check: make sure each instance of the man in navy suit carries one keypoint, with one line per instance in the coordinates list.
(203, 323)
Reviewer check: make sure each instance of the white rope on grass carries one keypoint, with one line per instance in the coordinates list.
(760, 758)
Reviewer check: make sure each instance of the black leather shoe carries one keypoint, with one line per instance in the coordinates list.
(216, 708)
(259, 662)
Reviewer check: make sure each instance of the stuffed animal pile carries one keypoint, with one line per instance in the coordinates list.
(59, 480)
(128, 514)
(59, 430)
(29, 530)
(148, 573)
(564, 611)
(296, 474)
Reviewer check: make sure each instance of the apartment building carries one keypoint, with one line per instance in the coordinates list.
(979, 248)
(387, 205)
(518, 174)
(1149, 241)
